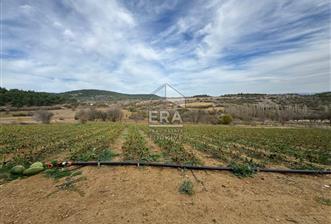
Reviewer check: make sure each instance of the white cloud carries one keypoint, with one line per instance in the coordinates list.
(219, 47)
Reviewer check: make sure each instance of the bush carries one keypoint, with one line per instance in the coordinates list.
(186, 187)
(226, 119)
(43, 116)
(82, 115)
(137, 116)
(114, 114)
(242, 170)
(22, 114)
(91, 114)
(201, 116)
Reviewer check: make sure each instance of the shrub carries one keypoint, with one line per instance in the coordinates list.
(22, 114)
(91, 114)
(226, 119)
(43, 116)
(114, 114)
(242, 170)
(137, 116)
(82, 116)
(186, 187)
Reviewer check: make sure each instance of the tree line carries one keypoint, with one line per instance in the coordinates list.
(20, 98)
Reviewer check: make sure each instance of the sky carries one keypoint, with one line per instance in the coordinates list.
(197, 46)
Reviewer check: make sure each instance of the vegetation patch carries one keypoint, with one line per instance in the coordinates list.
(94, 154)
(324, 201)
(171, 143)
(69, 184)
(186, 187)
(58, 173)
(135, 147)
(242, 170)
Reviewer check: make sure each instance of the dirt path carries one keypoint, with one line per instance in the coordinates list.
(150, 195)
(207, 160)
(117, 145)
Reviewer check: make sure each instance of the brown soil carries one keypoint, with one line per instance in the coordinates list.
(150, 195)
(117, 145)
(152, 146)
(204, 157)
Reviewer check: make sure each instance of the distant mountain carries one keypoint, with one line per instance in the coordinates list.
(20, 98)
(105, 95)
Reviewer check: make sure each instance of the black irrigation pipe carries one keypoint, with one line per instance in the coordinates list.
(190, 167)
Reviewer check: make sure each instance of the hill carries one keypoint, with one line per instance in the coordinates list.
(20, 98)
(105, 95)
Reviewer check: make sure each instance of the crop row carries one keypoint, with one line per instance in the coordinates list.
(135, 148)
(291, 147)
(171, 142)
(72, 140)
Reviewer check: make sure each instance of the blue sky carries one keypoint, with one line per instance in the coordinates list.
(200, 47)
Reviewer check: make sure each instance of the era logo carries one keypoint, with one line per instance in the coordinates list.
(165, 117)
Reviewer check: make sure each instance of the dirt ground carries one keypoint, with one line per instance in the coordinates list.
(150, 195)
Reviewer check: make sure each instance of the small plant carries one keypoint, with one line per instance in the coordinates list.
(85, 156)
(57, 173)
(242, 170)
(106, 155)
(135, 147)
(69, 184)
(186, 187)
(324, 201)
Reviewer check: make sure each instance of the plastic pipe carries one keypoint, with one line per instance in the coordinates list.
(190, 167)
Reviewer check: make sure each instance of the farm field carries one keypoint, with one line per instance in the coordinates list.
(104, 194)
(194, 144)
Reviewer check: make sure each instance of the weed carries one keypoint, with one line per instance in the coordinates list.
(324, 201)
(242, 170)
(106, 155)
(57, 173)
(85, 156)
(69, 185)
(186, 187)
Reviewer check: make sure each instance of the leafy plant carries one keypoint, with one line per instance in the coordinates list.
(324, 201)
(186, 187)
(57, 173)
(135, 147)
(242, 170)
(106, 154)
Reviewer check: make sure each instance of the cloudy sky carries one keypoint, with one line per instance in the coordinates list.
(200, 47)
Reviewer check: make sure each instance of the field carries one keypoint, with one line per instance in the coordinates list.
(152, 194)
(193, 144)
